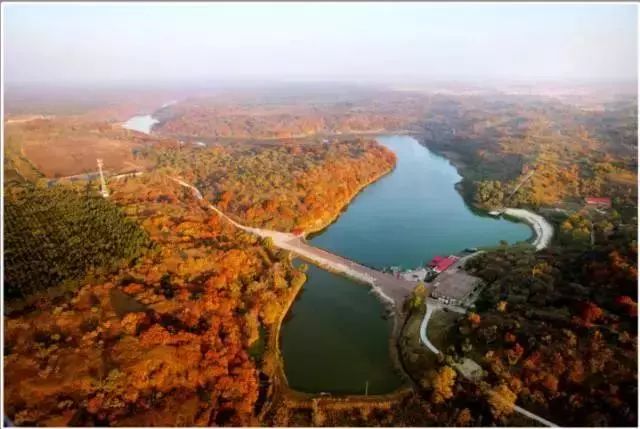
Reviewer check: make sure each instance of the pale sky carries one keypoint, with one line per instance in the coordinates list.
(67, 43)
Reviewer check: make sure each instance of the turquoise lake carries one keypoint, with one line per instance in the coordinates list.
(335, 338)
(413, 214)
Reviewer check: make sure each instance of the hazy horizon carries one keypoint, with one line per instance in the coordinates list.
(319, 42)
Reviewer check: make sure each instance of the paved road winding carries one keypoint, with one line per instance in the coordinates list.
(389, 288)
(423, 329)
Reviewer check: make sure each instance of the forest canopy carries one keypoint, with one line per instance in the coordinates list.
(54, 235)
(285, 187)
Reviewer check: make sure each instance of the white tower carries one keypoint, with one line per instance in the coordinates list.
(103, 184)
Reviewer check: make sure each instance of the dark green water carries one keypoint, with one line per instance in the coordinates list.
(335, 338)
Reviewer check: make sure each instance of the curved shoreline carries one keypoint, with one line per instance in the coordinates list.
(274, 365)
(280, 390)
(324, 225)
(542, 229)
(541, 233)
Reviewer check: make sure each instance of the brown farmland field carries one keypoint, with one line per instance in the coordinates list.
(64, 147)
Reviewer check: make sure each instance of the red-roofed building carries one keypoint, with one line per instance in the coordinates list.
(603, 202)
(441, 263)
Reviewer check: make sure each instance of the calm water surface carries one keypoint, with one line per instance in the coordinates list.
(413, 214)
(335, 339)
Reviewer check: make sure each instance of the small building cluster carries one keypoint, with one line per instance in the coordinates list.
(455, 287)
(450, 284)
(437, 265)
(440, 263)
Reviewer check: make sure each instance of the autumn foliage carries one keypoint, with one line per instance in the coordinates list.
(163, 342)
(557, 333)
(236, 118)
(442, 383)
(301, 186)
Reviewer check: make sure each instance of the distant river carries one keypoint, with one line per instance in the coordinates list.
(142, 123)
(335, 339)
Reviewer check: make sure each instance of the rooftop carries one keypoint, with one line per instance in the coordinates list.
(441, 263)
(455, 284)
